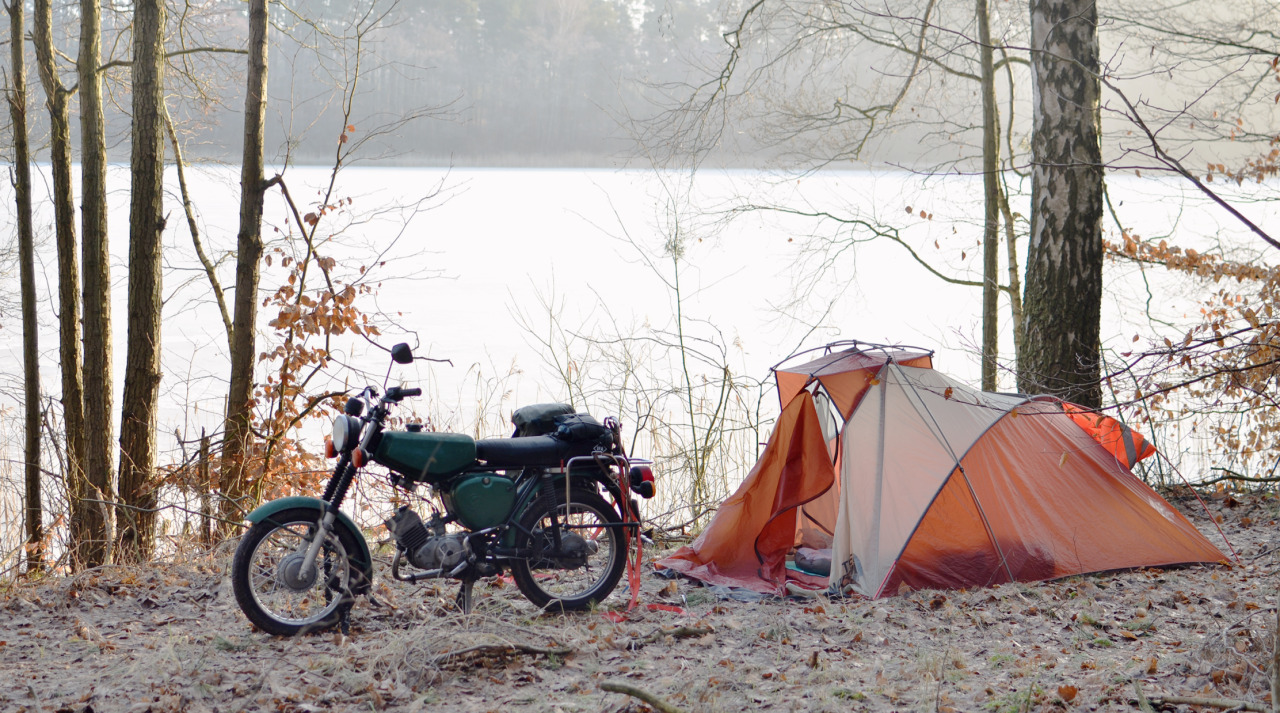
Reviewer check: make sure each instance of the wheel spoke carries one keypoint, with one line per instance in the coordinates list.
(284, 603)
(583, 524)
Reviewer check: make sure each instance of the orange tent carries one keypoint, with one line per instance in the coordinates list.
(915, 480)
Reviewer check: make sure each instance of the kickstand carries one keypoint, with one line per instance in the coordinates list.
(464, 595)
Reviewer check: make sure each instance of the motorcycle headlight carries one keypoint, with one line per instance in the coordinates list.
(346, 432)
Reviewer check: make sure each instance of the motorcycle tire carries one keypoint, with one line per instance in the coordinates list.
(555, 585)
(285, 605)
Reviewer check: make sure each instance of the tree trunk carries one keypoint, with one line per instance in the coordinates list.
(27, 268)
(205, 483)
(64, 210)
(1015, 272)
(1063, 300)
(146, 227)
(991, 203)
(99, 462)
(236, 447)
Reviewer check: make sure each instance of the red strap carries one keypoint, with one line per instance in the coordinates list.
(633, 565)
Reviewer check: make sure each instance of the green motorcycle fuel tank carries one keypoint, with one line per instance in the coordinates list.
(424, 457)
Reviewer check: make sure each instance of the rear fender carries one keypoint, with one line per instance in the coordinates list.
(593, 482)
(364, 558)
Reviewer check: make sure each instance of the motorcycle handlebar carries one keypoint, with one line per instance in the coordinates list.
(397, 393)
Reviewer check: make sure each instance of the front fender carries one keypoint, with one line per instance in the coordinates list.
(365, 561)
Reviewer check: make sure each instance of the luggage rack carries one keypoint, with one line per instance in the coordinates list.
(604, 461)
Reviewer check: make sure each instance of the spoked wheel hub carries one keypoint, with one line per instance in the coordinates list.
(268, 580)
(289, 574)
(587, 565)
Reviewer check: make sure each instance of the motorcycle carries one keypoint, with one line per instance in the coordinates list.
(552, 505)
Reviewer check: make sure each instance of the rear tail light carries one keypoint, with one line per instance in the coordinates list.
(641, 481)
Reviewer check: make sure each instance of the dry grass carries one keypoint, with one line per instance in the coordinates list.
(169, 638)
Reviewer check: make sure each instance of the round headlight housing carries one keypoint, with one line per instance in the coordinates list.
(346, 432)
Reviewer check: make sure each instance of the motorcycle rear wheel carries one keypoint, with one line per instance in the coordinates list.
(549, 585)
(286, 605)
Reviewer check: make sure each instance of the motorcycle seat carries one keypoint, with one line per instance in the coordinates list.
(543, 451)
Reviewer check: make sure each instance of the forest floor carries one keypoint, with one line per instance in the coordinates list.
(169, 637)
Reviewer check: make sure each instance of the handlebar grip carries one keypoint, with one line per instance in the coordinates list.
(397, 393)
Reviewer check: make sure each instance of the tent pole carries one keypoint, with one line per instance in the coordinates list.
(937, 428)
(879, 496)
(986, 524)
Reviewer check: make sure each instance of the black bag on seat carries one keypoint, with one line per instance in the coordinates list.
(582, 428)
(538, 419)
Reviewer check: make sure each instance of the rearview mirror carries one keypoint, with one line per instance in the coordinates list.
(402, 354)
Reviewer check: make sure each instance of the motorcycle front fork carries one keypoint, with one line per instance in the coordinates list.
(343, 473)
(310, 550)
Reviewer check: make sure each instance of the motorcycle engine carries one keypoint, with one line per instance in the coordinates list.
(427, 548)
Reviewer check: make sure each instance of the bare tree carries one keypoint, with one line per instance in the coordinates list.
(990, 200)
(818, 84)
(137, 485)
(1203, 82)
(17, 97)
(248, 259)
(56, 99)
(1063, 294)
(96, 258)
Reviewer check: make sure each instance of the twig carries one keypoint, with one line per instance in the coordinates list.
(135, 508)
(1263, 553)
(1275, 663)
(1143, 703)
(497, 650)
(1173, 163)
(680, 632)
(1232, 475)
(1224, 703)
(5, 560)
(657, 703)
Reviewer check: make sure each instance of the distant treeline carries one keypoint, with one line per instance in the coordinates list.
(492, 82)
(457, 82)
(540, 83)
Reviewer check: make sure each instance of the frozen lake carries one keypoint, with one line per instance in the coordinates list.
(459, 269)
(464, 263)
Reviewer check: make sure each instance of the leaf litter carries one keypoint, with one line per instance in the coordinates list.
(168, 637)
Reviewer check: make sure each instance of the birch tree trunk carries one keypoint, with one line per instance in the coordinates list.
(17, 96)
(99, 463)
(248, 260)
(135, 532)
(1063, 297)
(56, 99)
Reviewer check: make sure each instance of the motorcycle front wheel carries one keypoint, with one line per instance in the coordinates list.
(591, 559)
(268, 582)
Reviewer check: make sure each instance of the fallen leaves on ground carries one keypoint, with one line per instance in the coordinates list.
(170, 638)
